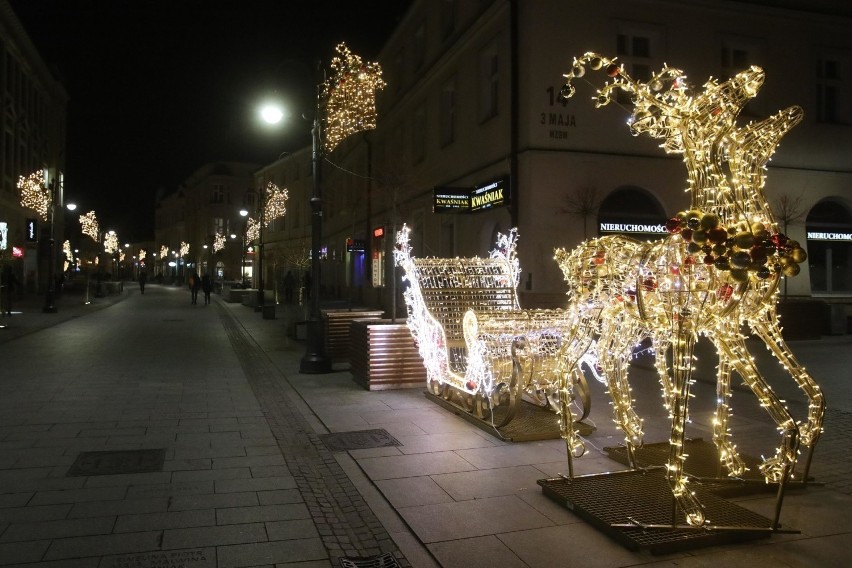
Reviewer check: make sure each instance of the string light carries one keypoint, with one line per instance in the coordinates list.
(478, 346)
(69, 255)
(111, 242)
(350, 96)
(89, 225)
(164, 251)
(34, 194)
(718, 269)
(218, 242)
(184, 248)
(142, 254)
(273, 206)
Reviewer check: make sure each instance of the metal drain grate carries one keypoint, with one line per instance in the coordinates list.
(117, 462)
(623, 497)
(385, 560)
(358, 440)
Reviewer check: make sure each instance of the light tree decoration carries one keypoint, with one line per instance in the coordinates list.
(719, 268)
(69, 255)
(273, 206)
(142, 254)
(184, 249)
(218, 242)
(164, 251)
(34, 193)
(111, 242)
(350, 96)
(89, 225)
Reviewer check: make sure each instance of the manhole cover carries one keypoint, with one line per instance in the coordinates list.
(358, 440)
(117, 462)
(385, 560)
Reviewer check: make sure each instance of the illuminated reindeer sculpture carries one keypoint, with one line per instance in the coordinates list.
(719, 268)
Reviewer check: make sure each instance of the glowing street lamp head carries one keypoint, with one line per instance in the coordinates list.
(271, 113)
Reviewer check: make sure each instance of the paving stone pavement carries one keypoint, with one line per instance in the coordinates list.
(345, 523)
(246, 480)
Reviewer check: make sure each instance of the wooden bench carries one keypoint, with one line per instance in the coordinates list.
(481, 351)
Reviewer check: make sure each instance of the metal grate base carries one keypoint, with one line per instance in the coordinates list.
(117, 462)
(530, 423)
(358, 440)
(703, 464)
(385, 560)
(644, 497)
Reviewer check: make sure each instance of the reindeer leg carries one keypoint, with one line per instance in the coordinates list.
(614, 352)
(682, 350)
(767, 329)
(729, 457)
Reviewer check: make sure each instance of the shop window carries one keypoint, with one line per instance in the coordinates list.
(829, 247)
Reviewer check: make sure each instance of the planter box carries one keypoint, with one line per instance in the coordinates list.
(384, 356)
(336, 323)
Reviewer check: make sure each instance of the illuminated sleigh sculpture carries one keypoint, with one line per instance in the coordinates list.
(483, 353)
(719, 269)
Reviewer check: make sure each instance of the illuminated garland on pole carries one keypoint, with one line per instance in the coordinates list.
(273, 206)
(218, 242)
(34, 194)
(350, 96)
(89, 225)
(111, 242)
(184, 248)
(69, 255)
(164, 251)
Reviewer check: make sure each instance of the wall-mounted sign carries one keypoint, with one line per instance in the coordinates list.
(624, 228)
(450, 200)
(494, 194)
(463, 200)
(31, 228)
(820, 236)
(17, 252)
(378, 232)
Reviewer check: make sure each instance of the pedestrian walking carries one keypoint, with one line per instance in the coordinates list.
(143, 277)
(194, 285)
(8, 283)
(206, 287)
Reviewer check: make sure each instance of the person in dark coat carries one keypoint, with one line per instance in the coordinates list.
(194, 286)
(206, 287)
(143, 277)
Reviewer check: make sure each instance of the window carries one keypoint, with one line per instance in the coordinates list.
(489, 82)
(219, 226)
(448, 112)
(828, 88)
(737, 54)
(218, 193)
(639, 48)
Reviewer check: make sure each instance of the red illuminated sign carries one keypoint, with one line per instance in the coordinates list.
(379, 232)
(17, 252)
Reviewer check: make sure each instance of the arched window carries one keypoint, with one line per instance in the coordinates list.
(632, 211)
(829, 247)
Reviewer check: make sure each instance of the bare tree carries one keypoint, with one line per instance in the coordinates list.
(788, 210)
(582, 203)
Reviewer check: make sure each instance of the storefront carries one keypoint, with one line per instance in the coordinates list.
(633, 212)
(829, 247)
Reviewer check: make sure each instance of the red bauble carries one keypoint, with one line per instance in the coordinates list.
(613, 70)
(673, 225)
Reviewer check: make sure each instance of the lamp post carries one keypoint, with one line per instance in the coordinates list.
(50, 294)
(315, 359)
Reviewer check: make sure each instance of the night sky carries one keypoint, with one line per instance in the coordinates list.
(160, 87)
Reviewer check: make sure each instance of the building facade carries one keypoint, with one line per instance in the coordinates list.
(473, 139)
(207, 204)
(32, 139)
